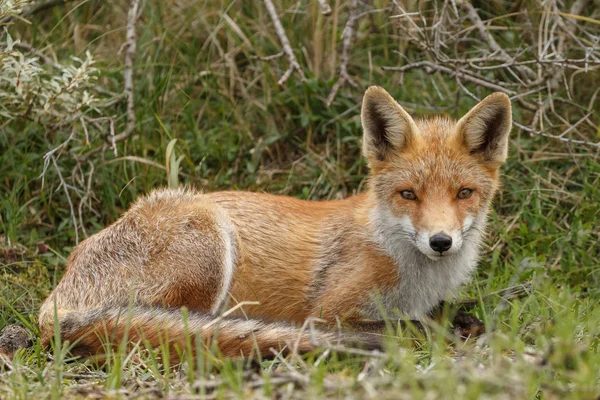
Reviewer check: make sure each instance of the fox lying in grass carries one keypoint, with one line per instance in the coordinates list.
(404, 244)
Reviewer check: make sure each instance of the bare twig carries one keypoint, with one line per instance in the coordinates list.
(48, 156)
(64, 185)
(268, 58)
(348, 37)
(130, 44)
(560, 137)
(84, 199)
(564, 49)
(571, 25)
(557, 74)
(485, 34)
(428, 65)
(287, 48)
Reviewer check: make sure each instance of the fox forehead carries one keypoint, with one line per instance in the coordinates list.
(436, 162)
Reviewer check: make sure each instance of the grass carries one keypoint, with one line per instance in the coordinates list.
(198, 80)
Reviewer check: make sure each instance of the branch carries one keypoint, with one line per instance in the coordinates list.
(576, 9)
(455, 73)
(348, 36)
(285, 43)
(473, 16)
(66, 189)
(560, 137)
(557, 75)
(130, 44)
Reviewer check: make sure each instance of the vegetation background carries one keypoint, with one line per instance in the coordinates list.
(101, 101)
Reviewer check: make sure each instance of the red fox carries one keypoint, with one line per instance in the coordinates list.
(406, 243)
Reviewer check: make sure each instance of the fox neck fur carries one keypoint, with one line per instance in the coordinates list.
(422, 282)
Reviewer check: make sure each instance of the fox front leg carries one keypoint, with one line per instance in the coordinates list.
(464, 324)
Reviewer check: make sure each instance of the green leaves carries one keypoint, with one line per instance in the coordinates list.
(172, 165)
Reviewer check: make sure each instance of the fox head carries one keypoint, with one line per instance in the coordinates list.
(433, 179)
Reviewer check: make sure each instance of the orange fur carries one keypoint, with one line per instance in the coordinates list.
(327, 259)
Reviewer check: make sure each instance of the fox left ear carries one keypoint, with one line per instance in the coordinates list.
(387, 128)
(484, 130)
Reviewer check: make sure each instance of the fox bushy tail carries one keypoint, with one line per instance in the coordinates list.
(90, 332)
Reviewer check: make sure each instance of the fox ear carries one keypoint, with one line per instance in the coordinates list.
(484, 130)
(386, 126)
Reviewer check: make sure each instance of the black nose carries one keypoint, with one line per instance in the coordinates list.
(440, 242)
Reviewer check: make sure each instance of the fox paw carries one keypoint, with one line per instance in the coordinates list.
(466, 325)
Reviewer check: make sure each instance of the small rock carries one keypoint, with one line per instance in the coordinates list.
(13, 338)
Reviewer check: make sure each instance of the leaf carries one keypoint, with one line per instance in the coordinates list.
(304, 120)
(9, 41)
(170, 163)
(174, 171)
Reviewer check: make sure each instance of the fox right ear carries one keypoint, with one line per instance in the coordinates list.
(386, 126)
(485, 129)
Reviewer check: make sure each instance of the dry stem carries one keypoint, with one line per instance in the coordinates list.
(348, 38)
(287, 48)
(130, 45)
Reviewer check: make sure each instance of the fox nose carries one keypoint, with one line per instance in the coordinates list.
(440, 242)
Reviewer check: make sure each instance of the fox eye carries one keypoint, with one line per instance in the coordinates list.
(408, 195)
(464, 193)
